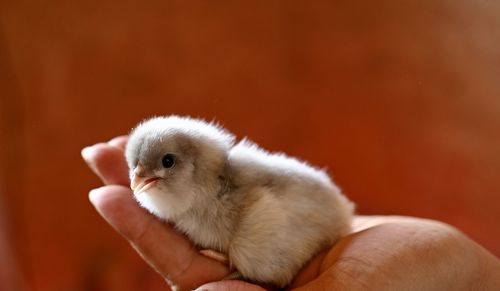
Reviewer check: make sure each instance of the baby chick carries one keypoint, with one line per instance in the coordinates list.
(268, 212)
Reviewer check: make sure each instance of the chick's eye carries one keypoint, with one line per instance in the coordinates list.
(168, 161)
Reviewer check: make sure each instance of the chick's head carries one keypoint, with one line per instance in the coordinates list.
(176, 162)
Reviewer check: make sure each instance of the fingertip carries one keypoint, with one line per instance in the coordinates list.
(90, 153)
(117, 206)
(86, 153)
(98, 198)
(93, 196)
(96, 195)
(107, 162)
(110, 193)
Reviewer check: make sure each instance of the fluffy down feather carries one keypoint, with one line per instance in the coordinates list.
(268, 212)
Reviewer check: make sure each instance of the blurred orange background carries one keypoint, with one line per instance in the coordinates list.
(400, 100)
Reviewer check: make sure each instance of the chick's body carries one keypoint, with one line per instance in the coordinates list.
(268, 212)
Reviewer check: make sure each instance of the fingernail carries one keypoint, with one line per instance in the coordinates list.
(118, 141)
(93, 194)
(86, 153)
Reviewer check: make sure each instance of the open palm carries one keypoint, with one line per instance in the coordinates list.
(382, 252)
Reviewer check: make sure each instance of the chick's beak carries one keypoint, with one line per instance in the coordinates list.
(140, 182)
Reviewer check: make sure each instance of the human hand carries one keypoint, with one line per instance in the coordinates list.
(382, 252)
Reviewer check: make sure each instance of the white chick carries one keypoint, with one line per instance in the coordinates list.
(269, 213)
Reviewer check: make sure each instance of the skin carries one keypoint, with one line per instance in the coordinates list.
(382, 252)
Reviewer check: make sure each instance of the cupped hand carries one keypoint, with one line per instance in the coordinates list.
(381, 253)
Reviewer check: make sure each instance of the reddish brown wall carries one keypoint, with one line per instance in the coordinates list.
(399, 99)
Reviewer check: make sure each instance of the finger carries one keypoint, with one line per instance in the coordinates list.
(108, 162)
(169, 252)
(119, 141)
(230, 285)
